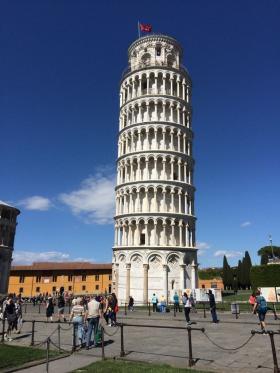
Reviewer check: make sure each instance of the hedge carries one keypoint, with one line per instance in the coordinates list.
(265, 276)
(209, 273)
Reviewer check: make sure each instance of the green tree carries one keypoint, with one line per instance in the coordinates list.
(247, 264)
(266, 253)
(227, 275)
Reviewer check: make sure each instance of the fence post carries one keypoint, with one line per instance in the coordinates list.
(122, 342)
(25, 305)
(74, 338)
(48, 354)
(125, 309)
(58, 337)
(102, 343)
(275, 362)
(149, 308)
(32, 333)
(204, 310)
(39, 308)
(191, 362)
(274, 311)
(3, 330)
(174, 309)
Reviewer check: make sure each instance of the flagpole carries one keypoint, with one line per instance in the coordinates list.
(139, 30)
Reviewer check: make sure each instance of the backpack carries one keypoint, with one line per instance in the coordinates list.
(262, 304)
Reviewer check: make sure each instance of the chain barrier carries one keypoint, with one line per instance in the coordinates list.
(106, 332)
(59, 348)
(66, 329)
(226, 348)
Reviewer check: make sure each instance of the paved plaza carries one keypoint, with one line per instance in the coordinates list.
(168, 346)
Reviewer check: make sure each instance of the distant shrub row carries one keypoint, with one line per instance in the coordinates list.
(265, 276)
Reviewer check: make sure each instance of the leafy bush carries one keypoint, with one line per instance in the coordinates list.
(265, 276)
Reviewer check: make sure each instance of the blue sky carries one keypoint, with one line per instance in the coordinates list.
(60, 68)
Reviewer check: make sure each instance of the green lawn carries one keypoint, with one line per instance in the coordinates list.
(118, 366)
(12, 356)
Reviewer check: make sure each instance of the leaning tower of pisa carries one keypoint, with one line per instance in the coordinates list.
(154, 249)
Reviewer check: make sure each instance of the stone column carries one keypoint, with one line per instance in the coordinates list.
(145, 283)
(155, 234)
(165, 282)
(193, 275)
(117, 279)
(128, 266)
(182, 276)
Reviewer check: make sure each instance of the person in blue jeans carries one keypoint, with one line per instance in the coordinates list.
(93, 314)
(261, 308)
(212, 304)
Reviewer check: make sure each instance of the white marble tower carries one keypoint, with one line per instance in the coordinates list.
(154, 249)
(8, 223)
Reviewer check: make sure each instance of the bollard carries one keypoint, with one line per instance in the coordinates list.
(3, 330)
(191, 362)
(58, 337)
(275, 362)
(149, 309)
(204, 310)
(102, 343)
(122, 342)
(39, 311)
(125, 312)
(174, 310)
(74, 338)
(32, 333)
(25, 305)
(48, 355)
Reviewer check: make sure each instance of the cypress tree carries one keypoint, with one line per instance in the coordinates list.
(225, 273)
(247, 264)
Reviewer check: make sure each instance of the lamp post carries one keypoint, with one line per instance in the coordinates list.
(270, 240)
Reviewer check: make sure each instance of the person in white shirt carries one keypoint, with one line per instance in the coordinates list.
(93, 314)
(187, 307)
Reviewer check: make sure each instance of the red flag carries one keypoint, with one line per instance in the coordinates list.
(145, 28)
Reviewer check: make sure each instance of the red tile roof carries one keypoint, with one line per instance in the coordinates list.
(58, 266)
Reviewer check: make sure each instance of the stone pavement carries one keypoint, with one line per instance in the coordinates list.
(169, 346)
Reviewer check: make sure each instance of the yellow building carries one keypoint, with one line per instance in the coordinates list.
(48, 277)
(213, 283)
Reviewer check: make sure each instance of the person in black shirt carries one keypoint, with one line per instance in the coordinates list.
(212, 304)
(10, 314)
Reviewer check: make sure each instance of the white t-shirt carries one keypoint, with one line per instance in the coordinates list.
(93, 309)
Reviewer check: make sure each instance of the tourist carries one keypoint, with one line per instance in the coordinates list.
(187, 307)
(252, 300)
(162, 304)
(131, 303)
(176, 301)
(61, 305)
(11, 316)
(49, 309)
(19, 314)
(154, 302)
(212, 304)
(92, 316)
(260, 307)
(78, 317)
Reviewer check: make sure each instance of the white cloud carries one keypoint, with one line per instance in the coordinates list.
(202, 245)
(94, 201)
(245, 224)
(28, 257)
(36, 203)
(228, 253)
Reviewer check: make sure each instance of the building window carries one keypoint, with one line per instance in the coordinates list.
(37, 289)
(54, 289)
(20, 290)
(84, 277)
(70, 288)
(38, 278)
(21, 279)
(110, 277)
(70, 278)
(54, 278)
(83, 288)
(203, 286)
(142, 239)
(96, 287)
(158, 51)
(96, 277)
(110, 288)
(214, 285)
